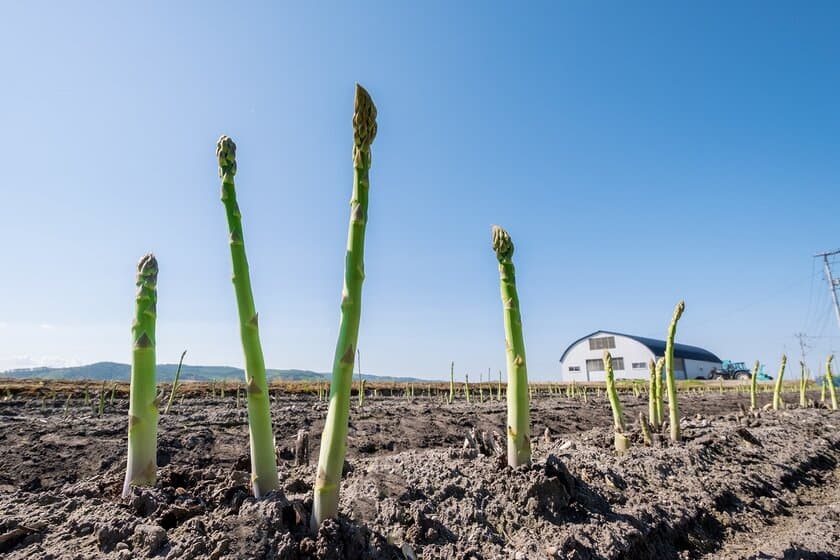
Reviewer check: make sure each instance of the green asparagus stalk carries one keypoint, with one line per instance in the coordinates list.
(451, 382)
(673, 405)
(467, 387)
(652, 396)
(143, 406)
(829, 380)
(499, 392)
(518, 401)
(754, 387)
(334, 437)
(647, 437)
(612, 394)
(175, 383)
(362, 394)
(102, 399)
(823, 385)
(777, 390)
(660, 397)
(113, 390)
(263, 454)
(803, 384)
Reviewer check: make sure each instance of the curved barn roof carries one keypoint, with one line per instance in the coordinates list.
(657, 347)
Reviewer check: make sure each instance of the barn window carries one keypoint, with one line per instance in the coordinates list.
(639, 365)
(574, 368)
(598, 364)
(602, 343)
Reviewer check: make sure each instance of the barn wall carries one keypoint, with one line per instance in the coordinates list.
(627, 348)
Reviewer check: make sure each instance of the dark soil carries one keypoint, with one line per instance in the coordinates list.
(754, 486)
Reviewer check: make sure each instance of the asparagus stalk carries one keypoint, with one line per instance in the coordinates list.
(754, 387)
(652, 396)
(263, 454)
(621, 441)
(451, 382)
(175, 383)
(499, 392)
(334, 437)
(803, 384)
(777, 390)
(518, 401)
(829, 380)
(673, 405)
(143, 407)
(467, 387)
(660, 398)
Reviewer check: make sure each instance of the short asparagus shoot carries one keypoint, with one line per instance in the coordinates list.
(175, 383)
(142, 401)
(263, 454)
(777, 390)
(518, 401)
(334, 436)
(621, 441)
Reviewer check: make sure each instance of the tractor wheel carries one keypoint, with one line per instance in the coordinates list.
(743, 376)
(718, 376)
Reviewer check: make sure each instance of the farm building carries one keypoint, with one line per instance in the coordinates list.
(583, 359)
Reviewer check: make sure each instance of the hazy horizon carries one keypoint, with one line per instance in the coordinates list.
(637, 154)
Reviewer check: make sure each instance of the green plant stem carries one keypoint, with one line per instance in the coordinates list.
(451, 382)
(518, 397)
(803, 384)
(612, 394)
(660, 397)
(263, 454)
(334, 437)
(175, 383)
(829, 380)
(754, 387)
(143, 406)
(673, 405)
(652, 395)
(777, 390)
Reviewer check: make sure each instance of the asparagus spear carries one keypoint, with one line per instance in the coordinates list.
(143, 406)
(334, 437)
(754, 387)
(263, 454)
(673, 405)
(829, 380)
(518, 413)
(777, 390)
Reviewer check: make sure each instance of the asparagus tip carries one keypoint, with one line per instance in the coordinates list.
(226, 152)
(147, 268)
(502, 243)
(364, 120)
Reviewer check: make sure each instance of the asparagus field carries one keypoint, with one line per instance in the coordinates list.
(423, 478)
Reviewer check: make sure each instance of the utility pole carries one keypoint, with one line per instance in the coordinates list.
(802, 343)
(833, 283)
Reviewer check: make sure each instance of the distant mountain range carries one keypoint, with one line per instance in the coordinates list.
(113, 371)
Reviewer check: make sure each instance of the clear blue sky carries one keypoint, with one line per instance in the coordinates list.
(637, 155)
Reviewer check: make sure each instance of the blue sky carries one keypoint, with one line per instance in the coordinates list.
(636, 154)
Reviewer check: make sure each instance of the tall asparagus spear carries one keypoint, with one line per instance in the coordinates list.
(334, 437)
(754, 387)
(263, 454)
(660, 398)
(143, 405)
(652, 396)
(777, 390)
(829, 380)
(673, 405)
(518, 413)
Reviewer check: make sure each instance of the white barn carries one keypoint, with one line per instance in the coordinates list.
(583, 359)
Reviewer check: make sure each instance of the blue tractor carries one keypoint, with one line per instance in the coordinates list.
(736, 370)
